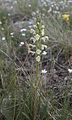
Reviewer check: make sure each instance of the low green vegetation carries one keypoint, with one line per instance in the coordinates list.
(36, 61)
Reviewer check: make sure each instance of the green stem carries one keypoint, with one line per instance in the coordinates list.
(37, 71)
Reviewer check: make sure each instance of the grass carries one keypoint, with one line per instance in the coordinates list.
(26, 93)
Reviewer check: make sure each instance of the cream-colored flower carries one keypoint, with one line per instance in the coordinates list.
(43, 26)
(44, 53)
(38, 58)
(32, 52)
(0, 23)
(34, 26)
(29, 5)
(43, 39)
(38, 51)
(46, 37)
(38, 23)
(37, 11)
(33, 39)
(42, 32)
(37, 37)
(32, 31)
(31, 45)
(44, 46)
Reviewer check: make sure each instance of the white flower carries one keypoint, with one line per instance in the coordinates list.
(38, 51)
(44, 3)
(23, 30)
(32, 52)
(57, 8)
(33, 39)
(21, 44)
(44, 71)
(43, 26)
(37, 37)
(33, 13)
(42, 32)
(12, 34)
(70, 70)
(43, 15)
(0, 23)
(34, 26)
(37, 11)
(29, 5)
(50, 9)
(23, 34)
(32, 31)
(44, 46)
(30, 27)
(44, 53)
(15, 2)
(52, 5)
(9, 14)
(43, 39)
(3, 38)
(38, 23)
(2, 28)
(46, 37)
(11, 7)
(55, 12)
(38, 58)
(31, 45)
